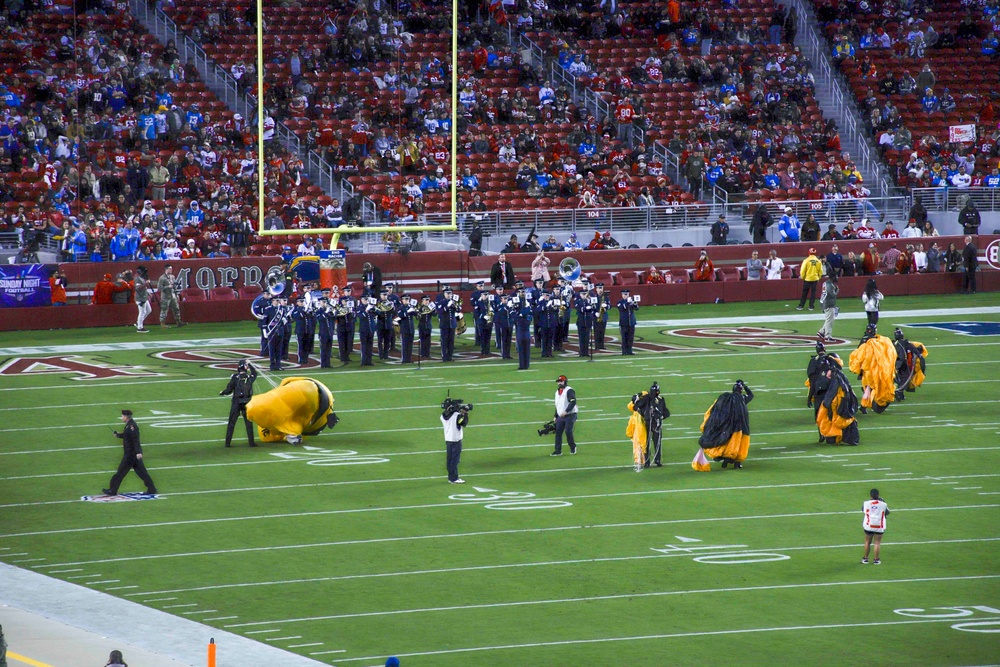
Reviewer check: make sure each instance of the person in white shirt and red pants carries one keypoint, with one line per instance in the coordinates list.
(874, 524)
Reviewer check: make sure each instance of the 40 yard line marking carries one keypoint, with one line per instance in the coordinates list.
(513, 531)
(396, 508)
(634, 595)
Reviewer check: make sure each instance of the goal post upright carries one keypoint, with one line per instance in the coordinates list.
(335, 232)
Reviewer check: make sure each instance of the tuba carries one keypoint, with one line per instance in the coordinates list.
(274, 281)
(570, 269)
(258, 306)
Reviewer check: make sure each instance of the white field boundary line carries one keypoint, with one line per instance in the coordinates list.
(309, 485)
(466, 503)
(588, 398)
(503, 447)
(676, 635)
(620, 596)
(731, 551)
(708, 321)
(481, 533)
(424, 386)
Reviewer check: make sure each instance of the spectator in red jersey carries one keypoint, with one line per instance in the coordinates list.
(704, 270)
(654, 277)
(870, 260)
(890, 232)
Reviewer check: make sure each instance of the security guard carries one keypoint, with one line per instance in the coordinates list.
(131, 458)
(366, 328)
(522, 326)
(241, 388)
(404, 317)
(626, 320)
(425, 325)
(601, 316)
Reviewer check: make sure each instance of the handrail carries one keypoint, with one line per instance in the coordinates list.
(940, 200)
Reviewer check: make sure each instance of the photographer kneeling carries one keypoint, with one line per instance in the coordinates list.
(454, 418)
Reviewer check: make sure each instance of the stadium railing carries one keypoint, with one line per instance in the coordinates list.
(954, 199)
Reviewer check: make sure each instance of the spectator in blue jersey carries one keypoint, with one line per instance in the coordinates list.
(194, 215)
(990, 45)
(992, 180)
(930, 102)
(194, 119)
(789, 226)
(470, 181)
(147, 125)
(714, 172)
(772, 180)
(843, 49)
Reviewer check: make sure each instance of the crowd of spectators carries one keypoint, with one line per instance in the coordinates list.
(99, 156)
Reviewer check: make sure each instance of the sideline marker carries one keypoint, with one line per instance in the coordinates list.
(211, 652)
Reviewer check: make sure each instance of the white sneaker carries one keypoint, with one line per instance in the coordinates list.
(876, 562)
(864, 561)
(457, 481)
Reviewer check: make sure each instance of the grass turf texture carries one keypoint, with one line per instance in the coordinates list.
(384, 557)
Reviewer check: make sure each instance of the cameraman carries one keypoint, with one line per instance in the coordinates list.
(454, 418)
(565, 416)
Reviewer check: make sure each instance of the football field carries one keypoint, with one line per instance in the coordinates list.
(354, 547)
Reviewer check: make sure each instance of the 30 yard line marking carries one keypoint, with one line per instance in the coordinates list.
(632, 595)
(734, 548)
(513, 531)
(396, 508)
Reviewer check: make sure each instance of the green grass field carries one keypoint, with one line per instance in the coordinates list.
(354, 547)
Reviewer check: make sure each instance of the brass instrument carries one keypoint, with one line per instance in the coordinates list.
(385, 306)
(424, 310)
(489, 307)
(604, 306)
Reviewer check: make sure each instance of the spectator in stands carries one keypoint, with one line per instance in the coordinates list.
(789, 226)
(470, 182)
(865, 231)
(720, 230)
(512, 245)
(773, 265)
(754, 267)
(934, 257)
(704, 270)
(852, 265)
(870, 261)
(572, 243)
(834, 261)
(810, 228)
(990, 45)
(889, 231)
(608, 242)
(831, 234)
(551, 244)
(159, 176)
(962, 179)
(911, 230)
(655, 277)
(929, 230)
(919, 259)
(890, 260)
(967, 29)
(904, 262)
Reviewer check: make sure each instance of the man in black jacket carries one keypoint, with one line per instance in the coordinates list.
(241, 387)
(502, 273)
(371, 279)
(131, 459)
(969, 218)
(654, 410)
(759, 224)
(970, 261)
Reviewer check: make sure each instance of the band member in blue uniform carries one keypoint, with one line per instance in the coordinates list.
(585, 307)
(275, 316)
(385, 312)
(601, 316)
(425, 325)
(326, 323)
(347, 325)
(301, 319)
(548, 314)
(502, 322)
(286, 336)
(262, 325)
(564, 295)
(478, 310)
(533, 294)
(447, 322)
(626, 320)
(482, 307)
(395, 301)
(367, 323)
(404, 317)
(522, 326)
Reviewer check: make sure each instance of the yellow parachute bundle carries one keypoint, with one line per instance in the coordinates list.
(918, 370)
(636, 430)
(875, 361)
(298, 406)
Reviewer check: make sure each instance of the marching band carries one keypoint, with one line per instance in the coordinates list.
(537, 315)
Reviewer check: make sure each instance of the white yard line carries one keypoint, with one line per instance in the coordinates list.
(681, 553)
(379, 540)
(632, 596)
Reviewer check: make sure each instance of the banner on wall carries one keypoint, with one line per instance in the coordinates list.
(25, 285)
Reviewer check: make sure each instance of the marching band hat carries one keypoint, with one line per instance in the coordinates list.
(599, 285)
(626, 290)
(480, 282)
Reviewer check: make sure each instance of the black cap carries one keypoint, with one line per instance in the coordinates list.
(127, 413)
(626, 290)
(599, 285)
